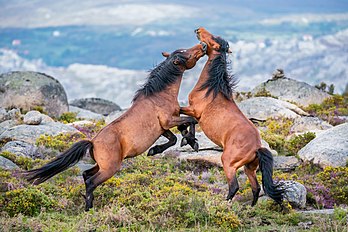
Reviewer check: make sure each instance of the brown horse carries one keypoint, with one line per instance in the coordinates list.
(211, 103)
(154, 111)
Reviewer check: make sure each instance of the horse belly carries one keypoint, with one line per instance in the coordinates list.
(210, 131)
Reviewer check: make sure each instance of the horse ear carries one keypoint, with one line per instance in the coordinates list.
(165, 54)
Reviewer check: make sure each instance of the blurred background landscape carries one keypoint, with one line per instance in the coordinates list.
(106, 48)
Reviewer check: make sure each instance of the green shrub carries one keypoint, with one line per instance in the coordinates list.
(297, 142)
(27, 201)
(264, 93)
(336, 179)
(59, 142)
(330, 109)
(68, 117)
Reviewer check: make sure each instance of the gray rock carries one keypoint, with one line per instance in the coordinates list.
(27, 90)
(32, 118)
(285, 163)
(13, 114)
(35, 118)
(7, 164)
(329, 148)
(3, 114)
(319, 211)
(86, 114)
(262, 108)
(96, 105)
(21, 148)
(7, 124)
(306, 124)
(29, 133)
(294, 91)
(114, 115)
(295, 193)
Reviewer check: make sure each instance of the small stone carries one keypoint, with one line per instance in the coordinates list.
(32, 118)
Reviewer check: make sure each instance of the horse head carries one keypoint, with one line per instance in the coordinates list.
(186, 58)
(214, 43)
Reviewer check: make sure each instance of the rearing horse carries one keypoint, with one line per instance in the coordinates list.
(211, 103)
(154, 111)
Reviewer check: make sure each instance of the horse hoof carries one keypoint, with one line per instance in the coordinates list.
(184, 132)
(183, 142)
(151, 152)
(196, 147)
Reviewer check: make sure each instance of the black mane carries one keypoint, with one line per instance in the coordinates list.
(220, 79)
(161, 76)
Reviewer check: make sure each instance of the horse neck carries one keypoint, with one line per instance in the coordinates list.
(173, 89)
(205, 72)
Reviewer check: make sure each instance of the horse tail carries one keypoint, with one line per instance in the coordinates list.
(273, 190)
(62, 162)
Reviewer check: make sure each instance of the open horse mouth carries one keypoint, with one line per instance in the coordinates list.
(204, 47)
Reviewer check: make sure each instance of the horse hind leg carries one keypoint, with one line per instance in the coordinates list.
(90, 172)
(109, 159)
(230, 172)
(250, 171)
(94, 181)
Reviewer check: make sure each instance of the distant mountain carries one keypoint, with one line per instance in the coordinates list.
(104, 48)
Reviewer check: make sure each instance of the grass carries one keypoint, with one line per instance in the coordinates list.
(149, 194)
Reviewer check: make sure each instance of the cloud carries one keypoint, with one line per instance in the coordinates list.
(46, 13)
(304, 19)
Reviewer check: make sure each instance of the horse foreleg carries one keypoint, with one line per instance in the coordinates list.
(160, 148)
(189, 137)
(173, 121)
(187, 110)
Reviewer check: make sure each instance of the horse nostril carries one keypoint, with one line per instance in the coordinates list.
(196, 31)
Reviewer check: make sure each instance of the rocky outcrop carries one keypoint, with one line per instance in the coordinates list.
(96, 105)
(29, 133)
(86, 114)
(306, 124)
(21, 148)
(329, 148)
(7, 164)
(12, 114)
(27, 90)
(262, 108)
(286, 163)
(291, 90)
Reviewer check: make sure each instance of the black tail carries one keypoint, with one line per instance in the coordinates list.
(59, 164)
(266, 166)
